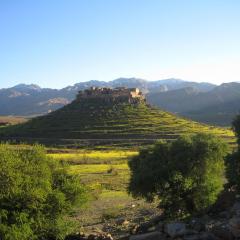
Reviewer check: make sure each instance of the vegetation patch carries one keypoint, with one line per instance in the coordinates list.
(36, 195)
(93, 123)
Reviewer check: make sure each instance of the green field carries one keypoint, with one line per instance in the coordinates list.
(107, 174)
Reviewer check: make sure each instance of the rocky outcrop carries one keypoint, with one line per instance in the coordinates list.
(97, 236)
(175, 229)
(222, 226)
(148, 236)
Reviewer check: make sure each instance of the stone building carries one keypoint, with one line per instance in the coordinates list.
(120, 94)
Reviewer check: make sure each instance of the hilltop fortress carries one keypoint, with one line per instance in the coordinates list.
(120, 94)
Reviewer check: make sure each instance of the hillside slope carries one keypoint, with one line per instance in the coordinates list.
(218, 106)
(99, 121)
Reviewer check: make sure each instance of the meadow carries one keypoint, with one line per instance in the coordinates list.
(106, 173)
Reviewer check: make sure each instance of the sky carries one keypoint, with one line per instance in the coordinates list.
(61, 42)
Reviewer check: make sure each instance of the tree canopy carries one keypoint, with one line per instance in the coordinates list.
(233, 160)
(186, 175)
(236, 128)
(35, 195)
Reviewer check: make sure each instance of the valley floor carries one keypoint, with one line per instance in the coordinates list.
(111, 208)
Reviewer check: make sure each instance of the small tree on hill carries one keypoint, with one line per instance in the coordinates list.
(186, 175)
(35, 195)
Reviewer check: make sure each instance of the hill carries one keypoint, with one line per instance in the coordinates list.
(202, 102)
(217, 106)
(116, 120)
(25, 100)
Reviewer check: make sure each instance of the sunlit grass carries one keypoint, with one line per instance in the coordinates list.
(123, 125)
(95, 157)
(95, 168)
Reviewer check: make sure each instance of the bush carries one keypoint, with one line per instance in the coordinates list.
(236, 128)
(233, 171)
(35, 195)
(186, 175)
(233, 160)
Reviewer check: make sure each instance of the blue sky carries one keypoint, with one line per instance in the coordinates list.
(60, 42)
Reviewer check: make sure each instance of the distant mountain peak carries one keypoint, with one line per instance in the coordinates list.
(23, 86)
(171, 80)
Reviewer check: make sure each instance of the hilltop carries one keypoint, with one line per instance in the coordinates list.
(108, 116)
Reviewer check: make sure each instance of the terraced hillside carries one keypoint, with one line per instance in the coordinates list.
(100, 122)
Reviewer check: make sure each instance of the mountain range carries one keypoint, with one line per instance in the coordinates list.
(217, 106)
(103, 122)
(203, 102)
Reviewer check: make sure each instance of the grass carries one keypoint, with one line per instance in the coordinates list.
(96, 169)
(93, 123)
(94, 157)
(103, 170)
(107, 174)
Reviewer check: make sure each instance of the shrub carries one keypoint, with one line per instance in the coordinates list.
(35, 195)
(233, 160)
(111, 213)
(186, 175)
(233, 171)
(236, 128)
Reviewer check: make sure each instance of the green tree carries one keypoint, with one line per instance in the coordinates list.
(236, 128)
(186, 175)
(233, 160)
(36, 194)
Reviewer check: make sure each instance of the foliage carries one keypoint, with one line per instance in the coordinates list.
(233, 170)
(233, 160)
(36, 194)
(236, 128)
(187, 175)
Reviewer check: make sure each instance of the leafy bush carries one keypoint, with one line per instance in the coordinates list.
(187, 175)
(233, 171)
(236, 128)
(35, 195)
(233, 160)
